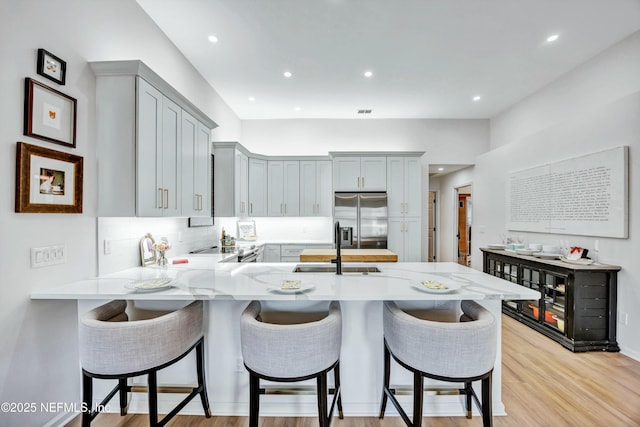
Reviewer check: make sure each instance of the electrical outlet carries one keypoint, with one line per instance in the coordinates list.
(107, 247)
(48, 255)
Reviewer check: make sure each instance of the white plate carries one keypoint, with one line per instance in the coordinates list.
(547, 255)
(496, 246)
(526, 251)
(449, 287)
(304, 287)
(580, 261)
(150, 285)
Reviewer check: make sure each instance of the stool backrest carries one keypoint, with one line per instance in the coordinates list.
(453, 350)
(112, 345)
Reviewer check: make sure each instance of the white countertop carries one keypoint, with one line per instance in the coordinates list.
(204, 278)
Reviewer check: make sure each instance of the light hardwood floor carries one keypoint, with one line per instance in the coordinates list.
(544, 385)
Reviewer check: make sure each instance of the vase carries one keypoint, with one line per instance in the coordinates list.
(162, 259)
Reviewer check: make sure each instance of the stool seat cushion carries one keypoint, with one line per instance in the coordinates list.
(111, 345)
(290, 350)
(454, 350)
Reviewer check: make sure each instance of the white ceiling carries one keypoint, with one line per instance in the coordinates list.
(428, 57)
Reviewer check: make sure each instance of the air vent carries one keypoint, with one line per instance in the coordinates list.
(363, 111)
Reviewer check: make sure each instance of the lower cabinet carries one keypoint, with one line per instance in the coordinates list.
(289, 253)
(404, 238)
(577, 305)
(271, 253)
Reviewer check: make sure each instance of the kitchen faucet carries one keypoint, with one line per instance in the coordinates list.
(338, 260)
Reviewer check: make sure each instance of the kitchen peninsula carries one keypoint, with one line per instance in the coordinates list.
(229, 286)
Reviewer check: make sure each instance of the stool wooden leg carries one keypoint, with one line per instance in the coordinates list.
(387, 374)
(469, 396)
(487, 412)
(418, 394)
(87, 399)
(336, 381)
(322, 400)
(153, 398)
(254, 399)
(123, 393)
(202, 384)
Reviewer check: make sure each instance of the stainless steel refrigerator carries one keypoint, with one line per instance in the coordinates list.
(363, 219)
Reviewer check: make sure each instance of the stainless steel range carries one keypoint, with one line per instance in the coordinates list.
(242, 254)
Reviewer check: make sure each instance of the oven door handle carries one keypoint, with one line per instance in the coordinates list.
(252, 257)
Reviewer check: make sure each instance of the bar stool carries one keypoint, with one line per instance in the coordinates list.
(291, 353)
(461, 352)
(112, 347)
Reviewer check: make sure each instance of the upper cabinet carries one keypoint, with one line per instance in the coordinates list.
(140, 122)
(403, 186)
(360, 173)
(196, 195)
(316, 196)
(231, 180)
(257, 187)
(284, 188)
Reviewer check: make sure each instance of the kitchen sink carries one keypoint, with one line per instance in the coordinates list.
(331, 268)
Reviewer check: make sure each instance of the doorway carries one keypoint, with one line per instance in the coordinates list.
(464, 216)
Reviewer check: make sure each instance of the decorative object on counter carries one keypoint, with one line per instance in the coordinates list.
(147, 250)
(246, 230)
(49, 114)
(47, 181)
(51, 67)
(162, 247)
(227, 242)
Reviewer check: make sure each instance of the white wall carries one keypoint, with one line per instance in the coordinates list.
(38, 361)
(593, 108)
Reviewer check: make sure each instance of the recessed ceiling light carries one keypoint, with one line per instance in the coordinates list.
(297, 108)
(552, 38)
(251, 98)
(440, 169)
(287, 74)
(368, 73)
(476, 98)
(213, 39)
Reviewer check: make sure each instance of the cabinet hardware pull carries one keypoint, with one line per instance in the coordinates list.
(166, 202)
(363, 182)
(161, 198)
(285, 208)
(358, 182)
(280, 208)
(250, 207)
(201, 197)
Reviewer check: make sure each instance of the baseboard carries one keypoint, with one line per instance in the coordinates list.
(630, 353)
(62, 419)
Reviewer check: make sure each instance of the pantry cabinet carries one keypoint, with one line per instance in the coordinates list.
(139, 119)
(577, 304)
(316, 196)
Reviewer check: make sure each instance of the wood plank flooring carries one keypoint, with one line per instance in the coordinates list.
(544, 385)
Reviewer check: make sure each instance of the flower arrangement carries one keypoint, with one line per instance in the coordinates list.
(162, 247)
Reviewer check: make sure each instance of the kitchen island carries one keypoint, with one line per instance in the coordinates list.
(349, 255)
(229, 287)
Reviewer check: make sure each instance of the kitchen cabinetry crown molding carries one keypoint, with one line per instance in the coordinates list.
(139, 68)
(242, 149)
(333, 154)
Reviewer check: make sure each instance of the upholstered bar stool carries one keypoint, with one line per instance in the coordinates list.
(112, 347)
(460, 352)
(291, 353)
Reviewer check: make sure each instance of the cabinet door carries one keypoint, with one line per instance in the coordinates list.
(275, 195)
(395, 186)
(346, 173)
(395, 237)
(308, 188)
(190, 200)
(257, 187)
(291, 188)
(148, 151)
(412, 187)
(241, 184)
(412, 243)
(373, 173)
(272, 253)
(171, 157)
(203, 169)
(324, 192)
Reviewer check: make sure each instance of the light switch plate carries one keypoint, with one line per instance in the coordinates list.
(48, 255)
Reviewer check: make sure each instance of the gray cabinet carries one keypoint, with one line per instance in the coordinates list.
(231, 180)
(257, 187)
(284, 188)
(360, 173)
(316, 195)
(196, 194)
(577, 305)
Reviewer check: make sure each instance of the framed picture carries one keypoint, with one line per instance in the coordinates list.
(49, 114)
(47, 181)
(147, 250)
(51, 67)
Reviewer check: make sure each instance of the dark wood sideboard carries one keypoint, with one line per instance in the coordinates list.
(577, 307)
